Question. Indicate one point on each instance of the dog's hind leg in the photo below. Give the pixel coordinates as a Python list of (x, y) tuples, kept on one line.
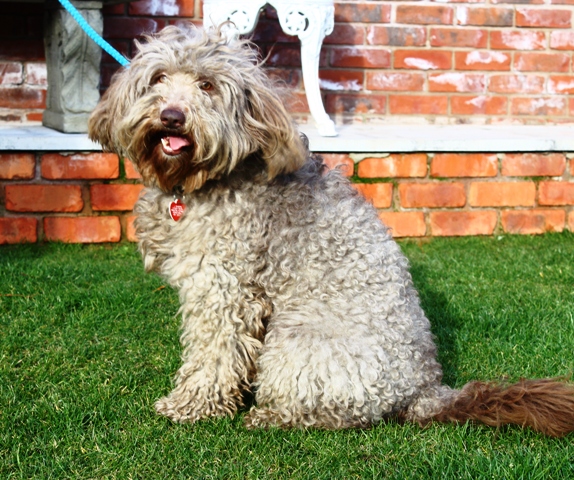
[(313, 372), (221, 332)]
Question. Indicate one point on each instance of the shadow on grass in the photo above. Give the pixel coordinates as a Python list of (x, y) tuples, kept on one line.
[(444, 324)]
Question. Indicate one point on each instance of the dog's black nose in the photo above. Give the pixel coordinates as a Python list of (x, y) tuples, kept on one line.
[(172, 118)]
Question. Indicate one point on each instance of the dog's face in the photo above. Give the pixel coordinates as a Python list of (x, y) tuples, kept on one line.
[(190, 107)]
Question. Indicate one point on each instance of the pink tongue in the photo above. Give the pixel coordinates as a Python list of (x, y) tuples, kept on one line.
[(177, 143)]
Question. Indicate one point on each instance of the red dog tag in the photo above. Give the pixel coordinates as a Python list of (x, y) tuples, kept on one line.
[(176, 209)]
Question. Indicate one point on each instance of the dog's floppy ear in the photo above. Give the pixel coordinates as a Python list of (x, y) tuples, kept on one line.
[(101, 122), (269, 124)]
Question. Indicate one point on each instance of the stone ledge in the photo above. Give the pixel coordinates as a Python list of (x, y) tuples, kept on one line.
[(42, 139), (353, 139), (444, 138)]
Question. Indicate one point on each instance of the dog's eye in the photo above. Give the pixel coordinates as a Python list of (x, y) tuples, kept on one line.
[(159, 78), (206, 86)]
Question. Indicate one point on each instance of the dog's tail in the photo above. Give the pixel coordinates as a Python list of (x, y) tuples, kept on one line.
[(546, 406)]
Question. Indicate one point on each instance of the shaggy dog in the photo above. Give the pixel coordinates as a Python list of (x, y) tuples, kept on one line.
[(290, 286)]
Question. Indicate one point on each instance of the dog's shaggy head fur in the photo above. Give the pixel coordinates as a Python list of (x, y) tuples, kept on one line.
[(190, 107)]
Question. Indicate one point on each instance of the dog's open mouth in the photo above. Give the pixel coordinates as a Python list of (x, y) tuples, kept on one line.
[(173, 145)]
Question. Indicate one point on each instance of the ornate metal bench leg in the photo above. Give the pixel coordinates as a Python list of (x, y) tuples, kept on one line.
[(311, 24), (310, 20)]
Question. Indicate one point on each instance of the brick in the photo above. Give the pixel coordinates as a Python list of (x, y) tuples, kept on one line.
[(542, 62), (360, 57), (456, 82), (485, 16), (130, 229), (396, 36), (571, 221), (44, 198), (517, 40), (379, 194), (423, 59), (481, 60), (542, 106), (395, 81), (285, 57), (271, 32), (424, 14), (355, 103), (11, 117), (464, 165), (17, 166), (561, 84), (114, 10), (34, 116), (10, 73), (562, 39), (345, 34), (22, 97), (287, 76), (36, 73), (572, 166), (82, 229), (297, 103), (453, 224), (478, 105), (433, 195), (362, 12), (131, 172), (23, 49), (458, 37), (528, 222), (556, 193), (177, 8), (530, 2), (80, 166), (130, 27), (342, 161), (516, 84), (395, 165), (502, 194), (18, 230), (114, 197), (533, 164), (338, 80), (546, 18), (404, 224), (418, 104)]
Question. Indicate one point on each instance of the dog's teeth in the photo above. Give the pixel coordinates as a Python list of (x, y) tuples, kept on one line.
[(165, 142)]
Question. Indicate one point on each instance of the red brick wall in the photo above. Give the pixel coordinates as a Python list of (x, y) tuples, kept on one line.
[(479, 61), (89, 197), (474, 61), (22, 63)]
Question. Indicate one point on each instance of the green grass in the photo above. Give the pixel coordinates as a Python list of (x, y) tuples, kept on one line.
[(88, 342)]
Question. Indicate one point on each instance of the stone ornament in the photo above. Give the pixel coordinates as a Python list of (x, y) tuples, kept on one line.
[(73, 66)]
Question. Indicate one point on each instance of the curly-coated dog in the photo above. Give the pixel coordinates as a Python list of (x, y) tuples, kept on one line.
[(290, 286)]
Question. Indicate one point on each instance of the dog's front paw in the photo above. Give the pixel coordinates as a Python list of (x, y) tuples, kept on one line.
[(177, 412), (185, 409)]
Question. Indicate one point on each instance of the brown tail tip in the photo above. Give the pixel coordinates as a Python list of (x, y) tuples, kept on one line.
[(546, 406)]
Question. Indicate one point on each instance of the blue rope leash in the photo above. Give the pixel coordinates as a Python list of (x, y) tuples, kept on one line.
[(124, 62)]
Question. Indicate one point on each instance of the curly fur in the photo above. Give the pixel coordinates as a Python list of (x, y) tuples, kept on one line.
[(290, 286)]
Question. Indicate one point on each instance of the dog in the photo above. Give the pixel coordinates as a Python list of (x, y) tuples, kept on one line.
[(291, 288)]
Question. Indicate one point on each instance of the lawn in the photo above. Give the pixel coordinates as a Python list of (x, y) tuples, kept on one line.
[(88, 341)]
